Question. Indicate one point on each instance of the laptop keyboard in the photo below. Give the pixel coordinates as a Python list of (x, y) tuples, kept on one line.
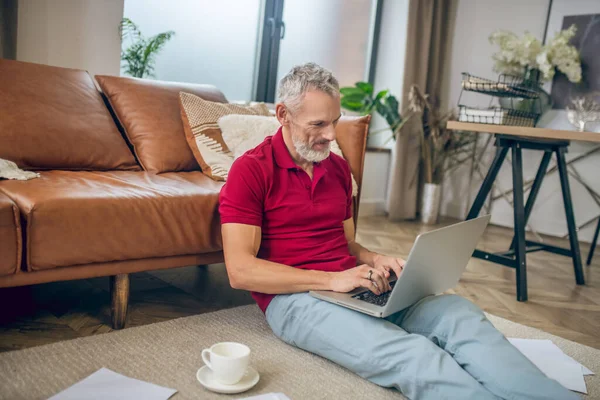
[(372, 298)]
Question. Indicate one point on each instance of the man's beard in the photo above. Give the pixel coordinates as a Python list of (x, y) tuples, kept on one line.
[(308, 153)]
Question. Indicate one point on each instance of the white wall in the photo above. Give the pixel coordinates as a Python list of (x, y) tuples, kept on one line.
[(214, 42), (388, 75), (389, 71), (374, 184), (476, 20), (79, 34)]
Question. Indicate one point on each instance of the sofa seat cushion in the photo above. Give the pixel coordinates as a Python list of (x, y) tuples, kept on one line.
[(55, 118), (10, 236), (76, 218)]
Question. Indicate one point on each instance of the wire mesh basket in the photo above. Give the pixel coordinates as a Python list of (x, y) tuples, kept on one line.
[(497, 116), (505, 86)]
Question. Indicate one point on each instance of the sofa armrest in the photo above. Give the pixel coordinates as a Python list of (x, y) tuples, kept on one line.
[(10, 236)]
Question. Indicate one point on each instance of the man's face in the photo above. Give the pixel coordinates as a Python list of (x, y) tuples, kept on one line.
[(312, 125)]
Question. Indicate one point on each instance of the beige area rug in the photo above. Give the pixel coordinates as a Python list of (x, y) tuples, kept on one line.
[(168, 354)]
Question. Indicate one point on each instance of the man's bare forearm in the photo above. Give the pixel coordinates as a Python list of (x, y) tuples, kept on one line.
[(258, 275), (363, 255)]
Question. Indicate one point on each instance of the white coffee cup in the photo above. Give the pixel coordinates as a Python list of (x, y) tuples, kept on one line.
[(228, 361)]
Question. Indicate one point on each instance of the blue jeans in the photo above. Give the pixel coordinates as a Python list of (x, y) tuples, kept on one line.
[(442, 347)]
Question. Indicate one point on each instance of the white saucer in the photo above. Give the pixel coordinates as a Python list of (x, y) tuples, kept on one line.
[(206, 377)]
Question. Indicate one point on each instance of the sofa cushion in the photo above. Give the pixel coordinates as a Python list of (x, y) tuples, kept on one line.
[(242, 133), (75, 218), (149, 113), (55, 118), (10, 236), (203, 134)]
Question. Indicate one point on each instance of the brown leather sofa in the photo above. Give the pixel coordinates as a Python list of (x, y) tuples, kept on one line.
[(120, 191)]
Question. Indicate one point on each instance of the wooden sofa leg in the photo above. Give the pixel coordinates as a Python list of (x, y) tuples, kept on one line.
[(119, 292)]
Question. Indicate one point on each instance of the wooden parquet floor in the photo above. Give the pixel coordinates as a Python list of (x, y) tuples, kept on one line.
[(52, 312), (556, 304)]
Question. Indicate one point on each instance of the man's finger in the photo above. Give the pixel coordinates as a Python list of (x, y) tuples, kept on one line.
[(387, 280), (397, 268), (372, 286), (385, 269), (381, 280)]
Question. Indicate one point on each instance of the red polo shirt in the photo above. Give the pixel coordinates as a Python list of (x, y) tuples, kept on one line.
[(301, 220)]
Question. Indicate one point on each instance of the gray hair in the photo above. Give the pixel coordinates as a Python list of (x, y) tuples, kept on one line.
[(303, 78)]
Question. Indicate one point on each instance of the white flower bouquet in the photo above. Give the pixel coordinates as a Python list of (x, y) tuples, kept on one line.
[(526, 56)]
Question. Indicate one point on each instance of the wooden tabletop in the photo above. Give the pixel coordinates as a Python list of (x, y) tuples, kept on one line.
[(541, 133)]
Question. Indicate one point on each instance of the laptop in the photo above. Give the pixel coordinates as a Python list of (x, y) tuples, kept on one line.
[(434, 265)]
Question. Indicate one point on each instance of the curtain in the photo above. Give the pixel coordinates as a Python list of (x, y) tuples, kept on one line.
[(8, 29), (429, 35)]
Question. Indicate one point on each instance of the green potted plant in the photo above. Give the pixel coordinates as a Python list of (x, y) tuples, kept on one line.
[(442, 150), (139, 58), (362, 99)]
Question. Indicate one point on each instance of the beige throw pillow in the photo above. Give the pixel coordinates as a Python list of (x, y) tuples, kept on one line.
[(10, 170), (244, 132), (203, 134)]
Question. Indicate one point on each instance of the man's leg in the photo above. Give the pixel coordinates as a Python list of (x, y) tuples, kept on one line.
[(373, 348), (460, 327)]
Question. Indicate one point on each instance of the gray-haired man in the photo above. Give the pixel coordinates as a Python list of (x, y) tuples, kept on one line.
[(287, 229)]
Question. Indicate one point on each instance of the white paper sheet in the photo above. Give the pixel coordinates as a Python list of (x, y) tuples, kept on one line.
[(105, 384), (551, 360), (545, 347), (268, 396)]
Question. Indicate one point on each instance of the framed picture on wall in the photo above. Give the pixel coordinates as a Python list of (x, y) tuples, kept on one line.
[(587, 41), (585, 15)]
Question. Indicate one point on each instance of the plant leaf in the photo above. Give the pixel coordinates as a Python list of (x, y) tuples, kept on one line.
[(393, 116), (388, 108), (139, 58), (356, 97), (352, 106), (366, 87), (393, 105), (369, 108), (381, 95), (348, 91), (128, 28)]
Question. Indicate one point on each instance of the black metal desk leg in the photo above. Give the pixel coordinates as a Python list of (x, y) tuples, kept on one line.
[(519, 211), (535, 188), (566, 191), (486, 186), (593, 245)]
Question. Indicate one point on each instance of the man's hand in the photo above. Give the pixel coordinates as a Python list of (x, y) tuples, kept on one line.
[(386, 263), (356, 277)]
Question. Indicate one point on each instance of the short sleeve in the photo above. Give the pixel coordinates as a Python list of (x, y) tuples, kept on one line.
[(241, 199), (348, 180)]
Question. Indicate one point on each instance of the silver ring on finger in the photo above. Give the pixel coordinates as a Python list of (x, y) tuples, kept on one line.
[(370, 275)]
